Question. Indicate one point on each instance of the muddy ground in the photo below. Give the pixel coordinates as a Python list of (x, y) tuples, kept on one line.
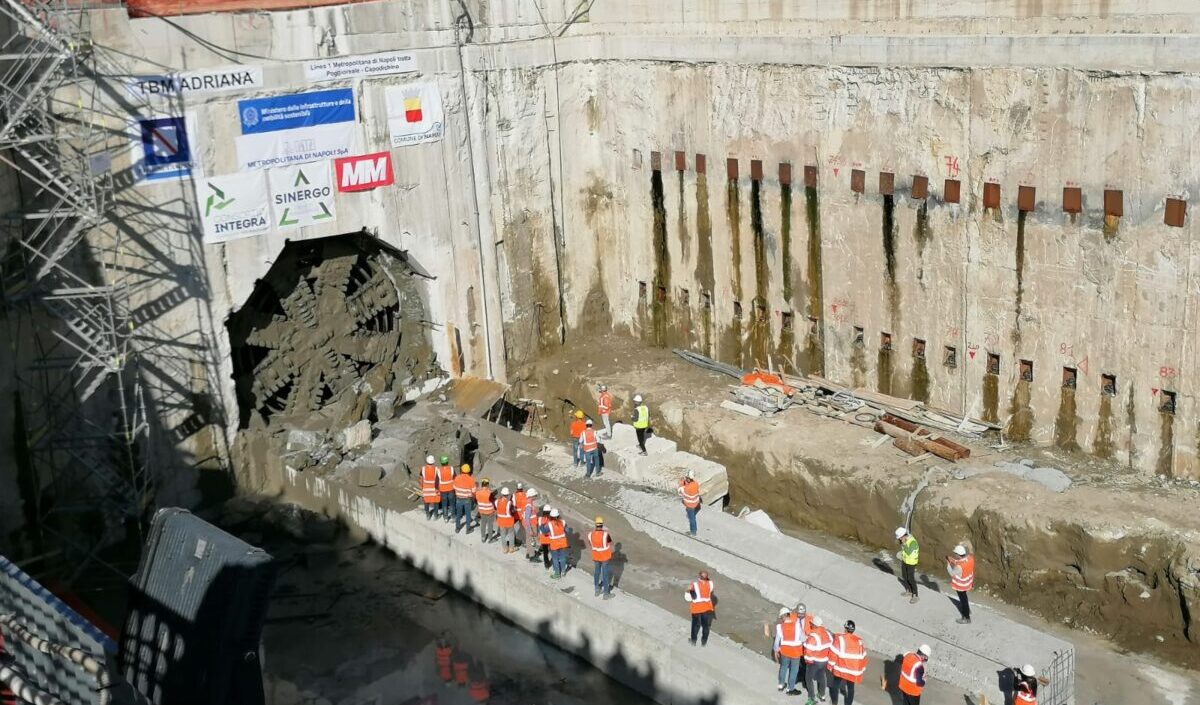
[(1116, 554)]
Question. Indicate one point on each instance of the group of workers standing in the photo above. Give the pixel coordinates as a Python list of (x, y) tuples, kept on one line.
[(512, 517)]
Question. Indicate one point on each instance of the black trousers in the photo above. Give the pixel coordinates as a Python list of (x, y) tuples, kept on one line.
[(701, 623), (838, 686), (544, 549), (641, 436), (964, 605), (910, 699), (908, 574)]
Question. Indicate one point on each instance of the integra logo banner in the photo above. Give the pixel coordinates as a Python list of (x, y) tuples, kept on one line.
[(233, 206), (301, 195), (226, 79)]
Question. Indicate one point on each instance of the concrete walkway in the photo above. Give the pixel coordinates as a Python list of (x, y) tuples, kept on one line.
[(640, 636)]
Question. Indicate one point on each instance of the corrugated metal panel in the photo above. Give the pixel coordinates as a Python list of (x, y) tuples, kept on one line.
[(40, 612), (195, 617)]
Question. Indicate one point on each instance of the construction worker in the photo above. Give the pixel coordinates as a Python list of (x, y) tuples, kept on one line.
[(506, 521), (464, 498), (604, 406), (806, 626), (1025, 684), (556, 531), (912, 675), (446, 488), (641, 421), (577, 427), (429, 488), (847, 664), (589, 446), (702, 598), (602, 552), (528, 519), (442, 653), (543, 535), (816, 660), (487, 511), (689, 492), (789, 649), (961, 567), (909, 554), (479, 688), (520, 499)]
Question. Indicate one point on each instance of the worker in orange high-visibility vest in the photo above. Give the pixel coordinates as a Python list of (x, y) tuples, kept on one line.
[(442, 653), (847, 664), (789, 649), (912, 675), (543, 536), (816, 659), (429, 488), (1025, 684), (445, 485), (961, 567), (464, 498), (506, 521), (577, 427), (604, 406), (602, 552), (702, 600), (689, 492), (486, 507), (461, 669), (589, 446), (556, 531), (479, 689)]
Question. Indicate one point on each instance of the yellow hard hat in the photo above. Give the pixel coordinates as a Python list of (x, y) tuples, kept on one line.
[(578, 414), (466, 469), (599, 520)]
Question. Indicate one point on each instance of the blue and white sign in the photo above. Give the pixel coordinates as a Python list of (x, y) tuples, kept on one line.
[(165, 150), (297, 128)]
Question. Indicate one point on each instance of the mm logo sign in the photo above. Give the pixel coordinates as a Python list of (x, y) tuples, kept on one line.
[(364, 172)]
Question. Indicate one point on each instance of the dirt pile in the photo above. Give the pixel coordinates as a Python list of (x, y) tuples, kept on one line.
[(1122, 562)]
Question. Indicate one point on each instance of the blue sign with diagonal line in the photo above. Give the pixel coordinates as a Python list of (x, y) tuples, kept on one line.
[(166, 153)]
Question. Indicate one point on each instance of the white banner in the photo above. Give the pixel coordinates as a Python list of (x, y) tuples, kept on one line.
[(224, 79), (303, 144), (415, 113), (301, 195), (233, 206), (338, 67)]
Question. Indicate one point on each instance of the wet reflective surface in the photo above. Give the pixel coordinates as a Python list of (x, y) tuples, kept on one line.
[(358, 626)]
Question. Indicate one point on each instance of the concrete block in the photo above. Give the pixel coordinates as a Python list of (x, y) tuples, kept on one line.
[(740, 408), (625, 437), (384, 405), (663, 471), (356, 436), (368, 475), (298, 439)]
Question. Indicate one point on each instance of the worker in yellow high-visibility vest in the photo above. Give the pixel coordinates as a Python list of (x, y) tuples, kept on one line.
[(641, 421), (909, 556)]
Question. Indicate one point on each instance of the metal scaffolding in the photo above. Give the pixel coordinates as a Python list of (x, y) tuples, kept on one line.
[(69, 307)]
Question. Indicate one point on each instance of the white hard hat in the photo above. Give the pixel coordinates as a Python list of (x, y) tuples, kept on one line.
[(801, 608), (588, 422), (553, 512), (1027, 670), (429, 459), (816, 621), (960, 550), (504, 491), (637, 397), (900, 532), (531, 493), (783, 611), (924, 650), (520, 485), (691, 474), (545, 507)]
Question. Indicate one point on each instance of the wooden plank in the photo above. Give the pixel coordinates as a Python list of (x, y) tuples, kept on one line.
[(959, 451), (886, 399)]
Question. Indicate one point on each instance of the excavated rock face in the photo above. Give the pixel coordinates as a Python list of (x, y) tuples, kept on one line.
[(335, 321)]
